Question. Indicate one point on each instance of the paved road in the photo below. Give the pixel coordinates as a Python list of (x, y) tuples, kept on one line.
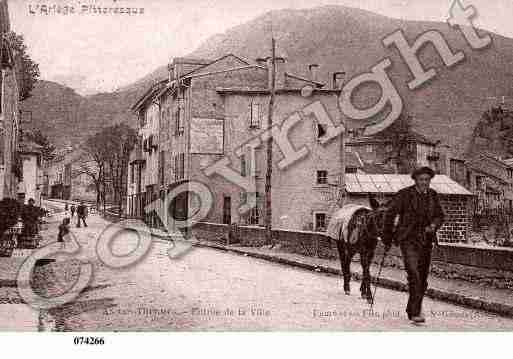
[(214, 290)]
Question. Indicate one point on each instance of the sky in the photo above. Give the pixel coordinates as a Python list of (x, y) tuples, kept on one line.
[(98, 53)]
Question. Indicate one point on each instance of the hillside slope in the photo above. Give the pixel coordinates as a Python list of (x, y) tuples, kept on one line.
[(338, 38), (68, 118)]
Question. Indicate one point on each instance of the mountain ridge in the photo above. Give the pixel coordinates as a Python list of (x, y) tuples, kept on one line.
[(348, 39)]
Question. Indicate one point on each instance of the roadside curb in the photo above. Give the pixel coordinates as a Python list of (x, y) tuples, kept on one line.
[(477, 303), (502, 309)]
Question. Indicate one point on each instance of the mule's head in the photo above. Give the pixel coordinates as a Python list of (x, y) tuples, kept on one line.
[(371, 223)]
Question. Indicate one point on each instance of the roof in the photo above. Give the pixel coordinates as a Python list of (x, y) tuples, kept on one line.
[(266, 91), (149, 94), (30, 147), (413, 136), (391, 183)]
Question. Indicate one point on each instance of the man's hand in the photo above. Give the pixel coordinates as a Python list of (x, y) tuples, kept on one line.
[(387, 243)]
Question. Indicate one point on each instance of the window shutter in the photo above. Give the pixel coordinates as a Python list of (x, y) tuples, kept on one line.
[(175, 167), (243, 165), (249, 120), (249, 161)]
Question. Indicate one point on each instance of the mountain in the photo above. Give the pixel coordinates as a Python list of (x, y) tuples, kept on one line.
[(68, 118), (340, 39)]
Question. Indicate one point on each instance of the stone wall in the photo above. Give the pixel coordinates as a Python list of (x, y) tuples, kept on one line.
[(457, 224), (488, 266)]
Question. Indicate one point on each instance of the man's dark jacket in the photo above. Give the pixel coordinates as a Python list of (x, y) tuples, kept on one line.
[(407, 205), (82, 211)]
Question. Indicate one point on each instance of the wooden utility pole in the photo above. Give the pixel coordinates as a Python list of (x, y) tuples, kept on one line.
[(268, 175)]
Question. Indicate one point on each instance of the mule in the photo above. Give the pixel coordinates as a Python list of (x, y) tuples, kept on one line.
[(367, 225)]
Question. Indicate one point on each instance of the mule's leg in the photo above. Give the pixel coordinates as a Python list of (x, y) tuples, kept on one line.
[(365, 288), (366, 264), (347, 272), (343, 265)]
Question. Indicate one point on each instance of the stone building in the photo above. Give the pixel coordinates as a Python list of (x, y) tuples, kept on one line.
[(491, 180), (212, 116), (378, 150), (31, 182), (456, 201), (10, 163), (64, 177)]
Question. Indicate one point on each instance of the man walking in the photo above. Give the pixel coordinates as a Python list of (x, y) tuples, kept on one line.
[(81, 214), (72, 210), (420, 216)]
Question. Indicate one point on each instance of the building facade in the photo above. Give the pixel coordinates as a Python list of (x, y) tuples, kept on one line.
[(10, 162), (212, 118), (491, 180), (64, 177), (31, 184), (379, 151)]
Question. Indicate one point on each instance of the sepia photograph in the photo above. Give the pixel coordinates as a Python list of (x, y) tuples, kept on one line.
[(272, 166)]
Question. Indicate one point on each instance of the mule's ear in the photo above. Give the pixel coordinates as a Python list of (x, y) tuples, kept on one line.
[(374, 204)]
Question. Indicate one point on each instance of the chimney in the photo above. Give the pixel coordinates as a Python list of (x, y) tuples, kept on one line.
[(280, 71), (338, 80), (312, 71)]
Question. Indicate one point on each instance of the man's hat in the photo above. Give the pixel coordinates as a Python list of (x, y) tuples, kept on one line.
[(423, 171)]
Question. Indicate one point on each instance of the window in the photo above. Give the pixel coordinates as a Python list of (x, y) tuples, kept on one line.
[(179, 166), (321, 131), (479, 182), (368, 148), (322, 177), (351, 169), (456, 169), (182, 165), (227, 209), (2, 146), (179, 129), (161, 167), (254, 213), (320, 222), (243, 166), (255, 114), (132, 173)]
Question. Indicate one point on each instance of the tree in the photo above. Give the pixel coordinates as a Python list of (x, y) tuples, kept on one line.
[(120, 140), (27, 71), (41, 139), (105, 160), (398, 135)]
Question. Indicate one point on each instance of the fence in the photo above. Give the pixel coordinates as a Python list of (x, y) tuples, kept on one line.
[(495, 224)]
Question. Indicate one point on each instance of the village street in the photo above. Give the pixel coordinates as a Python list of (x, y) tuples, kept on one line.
[(214, 290)]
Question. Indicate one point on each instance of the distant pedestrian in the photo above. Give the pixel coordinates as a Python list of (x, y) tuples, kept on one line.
[(66, 207), (30, 216), (420, 215), (81, 214), (63, 231), (72, 210)]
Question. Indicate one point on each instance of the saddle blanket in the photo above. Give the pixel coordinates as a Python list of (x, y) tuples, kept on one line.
[(339, 223)]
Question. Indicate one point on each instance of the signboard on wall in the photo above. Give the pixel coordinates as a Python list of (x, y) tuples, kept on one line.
[(207, 136)]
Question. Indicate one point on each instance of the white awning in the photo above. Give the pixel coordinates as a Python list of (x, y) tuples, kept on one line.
[(391, 183)]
